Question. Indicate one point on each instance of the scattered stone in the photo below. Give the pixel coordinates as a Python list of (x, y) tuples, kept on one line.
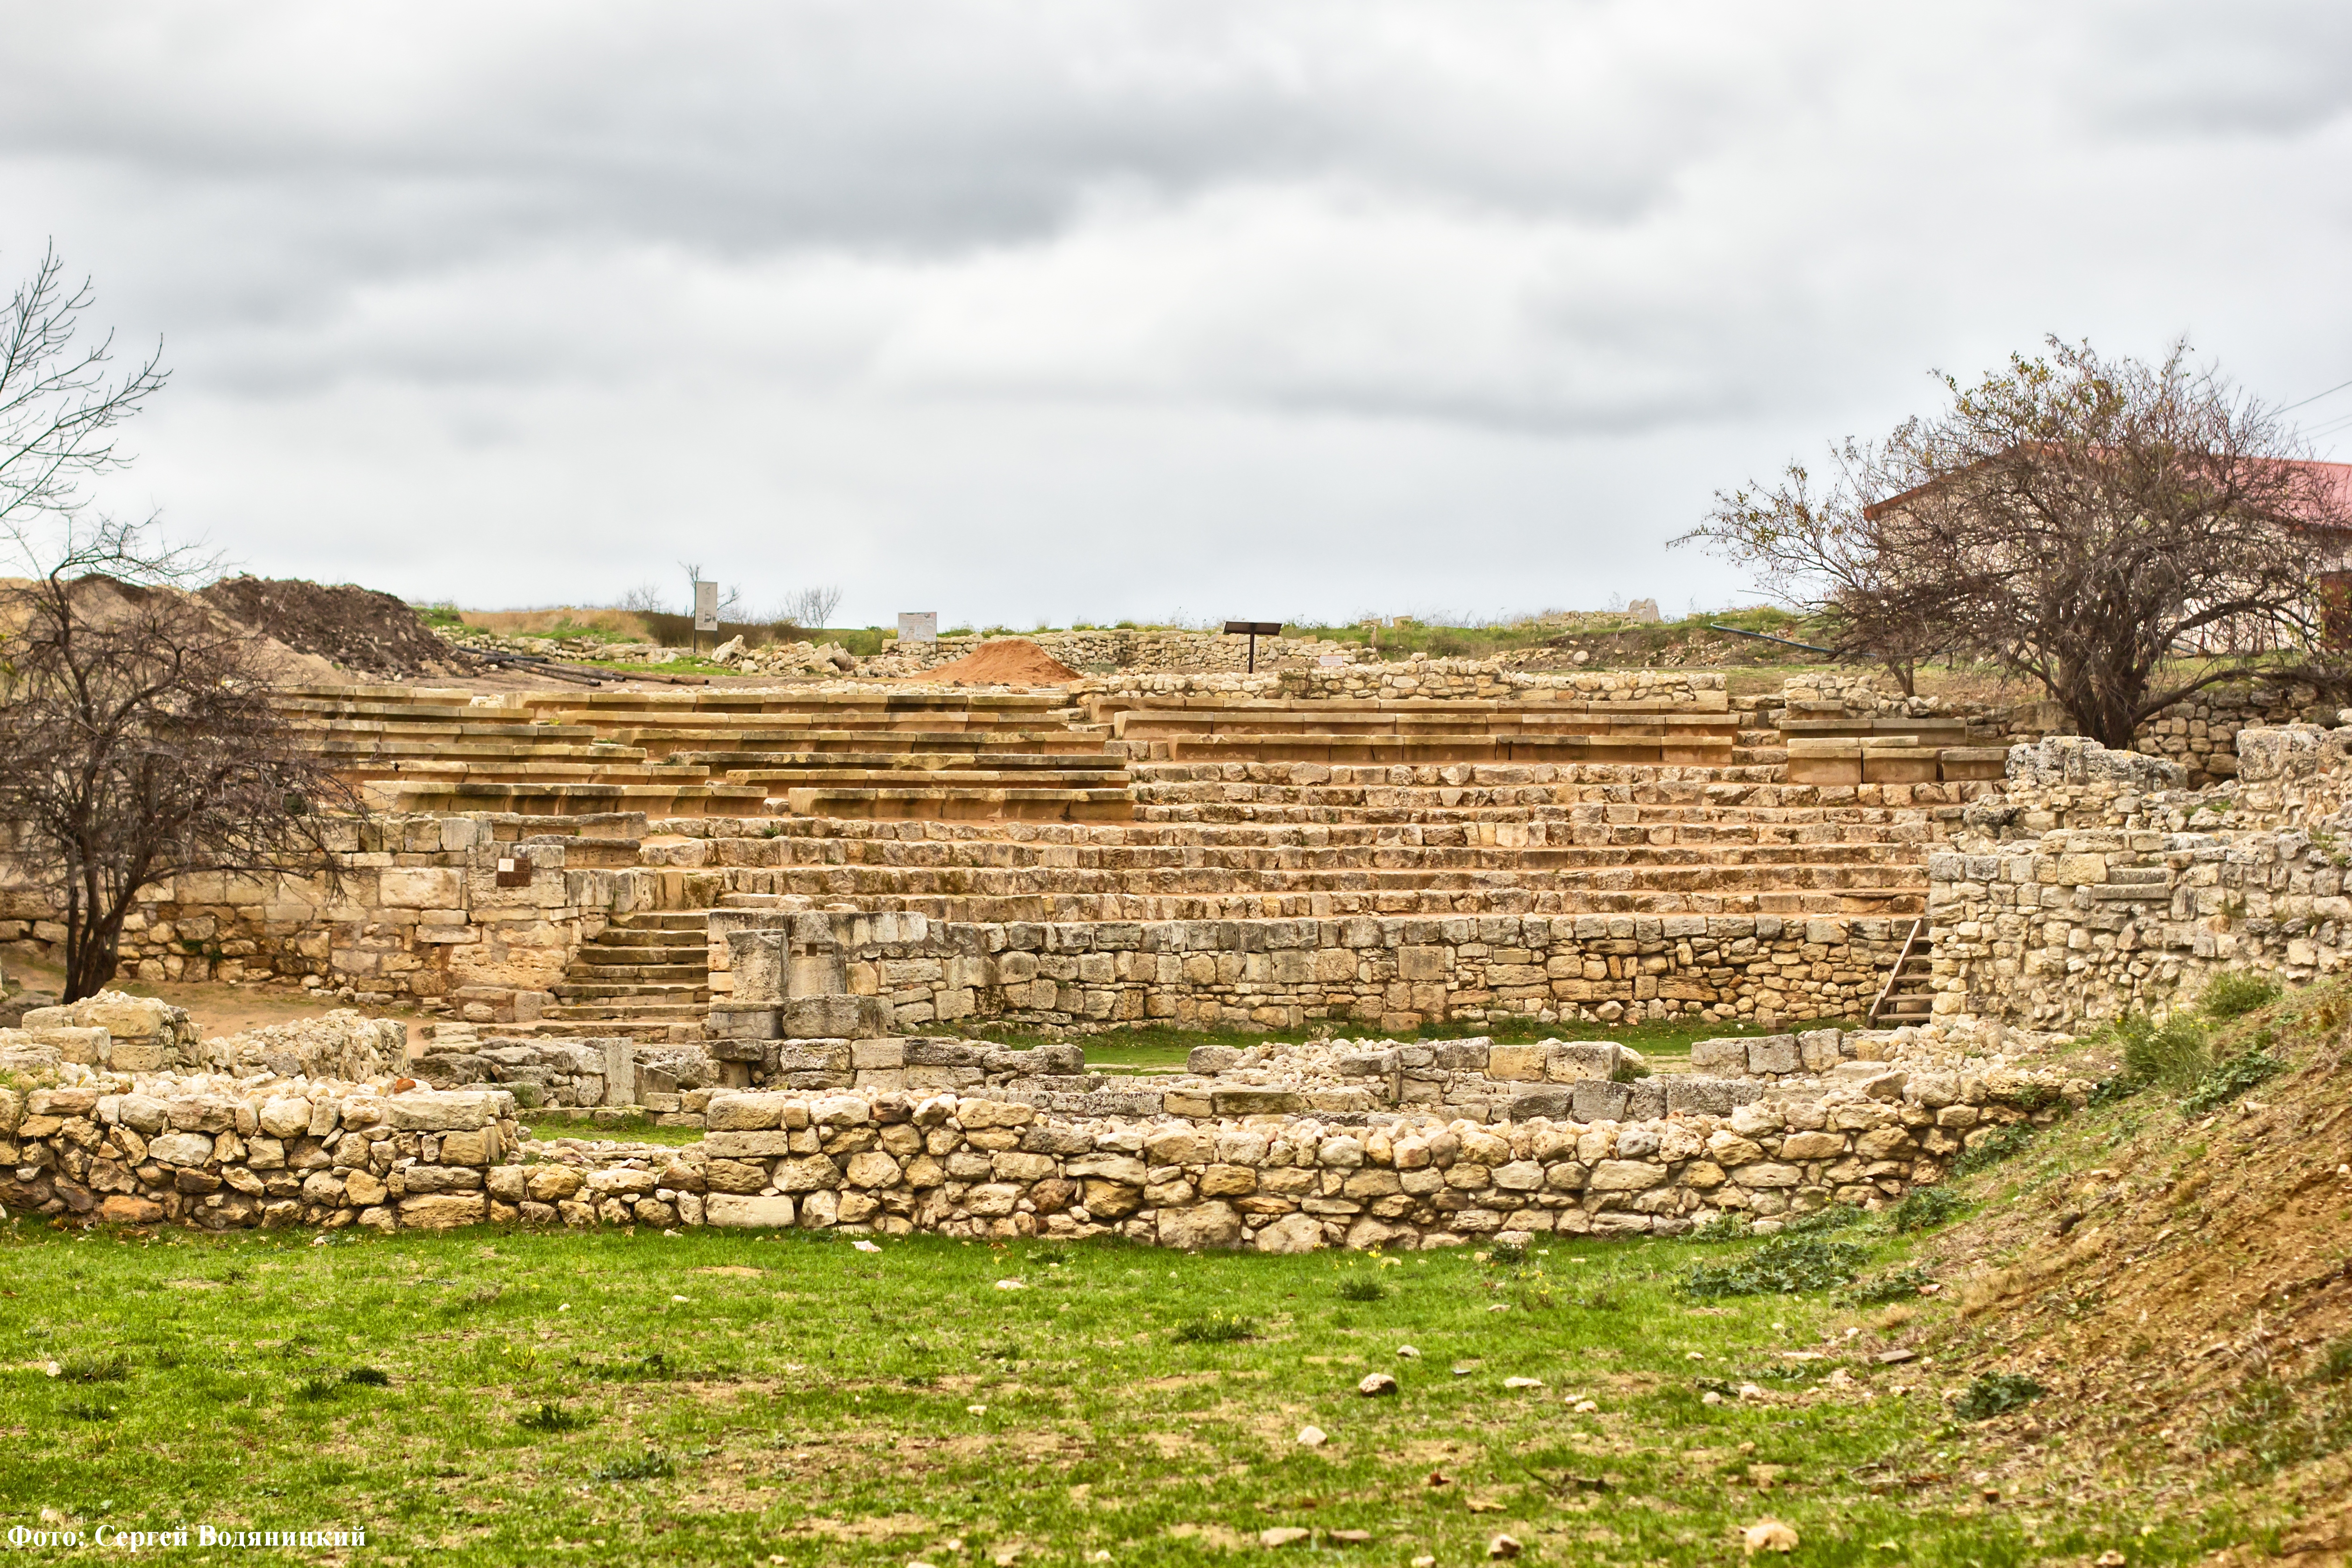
[(1011, 1285), (862, 1244), (1282, 1535), (1522, 1383), (1313, 1437), (1407, 1352), (1768, 1535), (2110, 1559), (1894, 1358), (1504, 1546), (1585, 1407), (1376, 1383), (1347, 1537)]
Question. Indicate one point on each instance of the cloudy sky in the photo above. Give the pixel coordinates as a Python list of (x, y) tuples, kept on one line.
[(1051, 309)]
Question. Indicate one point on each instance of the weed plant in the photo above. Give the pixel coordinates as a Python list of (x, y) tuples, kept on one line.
[(1781, 1265), (1926, 1208), (1997, 1394), (2235, 992)]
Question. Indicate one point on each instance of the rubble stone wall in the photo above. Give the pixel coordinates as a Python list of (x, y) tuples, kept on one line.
[(2097, 886), (1395, 973), (217, 1154), (419, 912)]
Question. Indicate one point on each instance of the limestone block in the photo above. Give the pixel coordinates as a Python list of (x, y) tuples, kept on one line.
[(1290, 1235), (1580, 1060), (1256, 1102), (187, 1149), (438, 1111), (1720, 1056), (1625, 1176), (444, 1211), (420, 887), (741, 1210), (835, 1017), (729, 1112), (1519, 1064), (1216, 1224), (1773, 1054)]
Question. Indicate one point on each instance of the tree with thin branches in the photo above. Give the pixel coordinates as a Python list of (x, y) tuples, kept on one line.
[(137, 740), (2080, 521)]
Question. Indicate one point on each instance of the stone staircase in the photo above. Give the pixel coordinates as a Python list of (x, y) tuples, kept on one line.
[(645, 975)]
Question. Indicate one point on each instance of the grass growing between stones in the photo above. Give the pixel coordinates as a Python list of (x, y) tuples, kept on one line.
[(1164, 1050), (734, 1397)]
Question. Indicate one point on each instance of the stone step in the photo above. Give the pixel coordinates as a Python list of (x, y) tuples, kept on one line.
[(949, 803), (962, 908), (586, 970), (1414, 751), (574, 993), (851, 779)]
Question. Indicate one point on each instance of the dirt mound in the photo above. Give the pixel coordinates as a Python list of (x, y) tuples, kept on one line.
[(2181, 1282), (1004, 661), (364, 631)]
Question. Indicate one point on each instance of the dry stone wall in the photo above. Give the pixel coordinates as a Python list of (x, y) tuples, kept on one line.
[(220, 1153), (2097, 885), (421, 914), (1395, 972)]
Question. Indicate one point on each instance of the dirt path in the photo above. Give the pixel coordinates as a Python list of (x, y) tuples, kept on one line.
[(218, 1009)]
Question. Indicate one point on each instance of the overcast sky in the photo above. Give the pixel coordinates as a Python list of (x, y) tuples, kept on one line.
[(1073, 308)]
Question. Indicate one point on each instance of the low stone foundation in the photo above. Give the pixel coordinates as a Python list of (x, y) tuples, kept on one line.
[(1392, 973)]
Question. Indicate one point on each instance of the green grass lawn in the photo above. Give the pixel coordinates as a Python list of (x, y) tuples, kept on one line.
[(491, 1397), (1164, 1050)]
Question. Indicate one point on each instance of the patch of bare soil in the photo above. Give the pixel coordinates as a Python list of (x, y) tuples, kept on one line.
[(215, 1009), (364, 631), (2185, 1297), (1002, 661)]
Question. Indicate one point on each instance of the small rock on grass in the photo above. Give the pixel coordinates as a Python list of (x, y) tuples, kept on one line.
[(1585, 1407), (1504, 1546), (1313, 1437), (1281, 1535), (1522, 1383), (1768, 1535), (1376, 1383), (1406, 1353), (1424, 1561)]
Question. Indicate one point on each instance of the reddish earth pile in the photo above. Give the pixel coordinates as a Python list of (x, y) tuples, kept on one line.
[(359, 629), (1004, 661)]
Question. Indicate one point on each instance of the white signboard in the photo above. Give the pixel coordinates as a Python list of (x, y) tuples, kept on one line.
[(705, 607), (918, 626)]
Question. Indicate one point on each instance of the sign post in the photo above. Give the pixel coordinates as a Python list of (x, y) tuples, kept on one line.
[(1253, 630), (706, 608), (918, 626)]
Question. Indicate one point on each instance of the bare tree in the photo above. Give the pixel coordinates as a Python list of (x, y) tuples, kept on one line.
[(137, 741), (644, 599), (1824, 552), (2079, 520), (812, 607)]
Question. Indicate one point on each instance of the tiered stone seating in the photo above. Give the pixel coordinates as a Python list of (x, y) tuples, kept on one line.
[(921, 755), (1412, 733), (1009, 808), (1656, 848), (1838, 749)]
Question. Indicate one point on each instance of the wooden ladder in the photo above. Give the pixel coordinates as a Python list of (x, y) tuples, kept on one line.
[(1895, 991)]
